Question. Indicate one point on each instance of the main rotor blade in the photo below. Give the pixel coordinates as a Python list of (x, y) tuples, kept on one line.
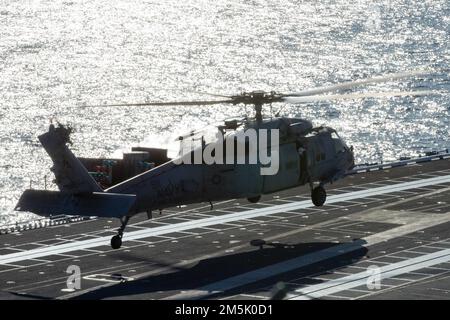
[(212, 94), (173, 103), (352, 84), (353, 96)]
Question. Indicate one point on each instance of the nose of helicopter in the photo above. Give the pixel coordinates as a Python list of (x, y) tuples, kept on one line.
[(351, 158)]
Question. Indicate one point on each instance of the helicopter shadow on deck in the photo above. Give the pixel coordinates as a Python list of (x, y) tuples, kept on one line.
[(218, 268)]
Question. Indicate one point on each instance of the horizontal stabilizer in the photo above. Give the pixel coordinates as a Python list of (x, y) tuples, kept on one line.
[(100, 204)]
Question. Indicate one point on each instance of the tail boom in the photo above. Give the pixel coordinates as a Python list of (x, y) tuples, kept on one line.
[(101, 204)]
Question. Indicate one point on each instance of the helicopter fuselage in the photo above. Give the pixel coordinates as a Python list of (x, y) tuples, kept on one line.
[(300, 155), (306, 155)]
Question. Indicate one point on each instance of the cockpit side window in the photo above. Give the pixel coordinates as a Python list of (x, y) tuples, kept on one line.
[(339, 145)]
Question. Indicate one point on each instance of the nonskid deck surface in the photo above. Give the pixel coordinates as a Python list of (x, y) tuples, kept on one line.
[(380, 235)]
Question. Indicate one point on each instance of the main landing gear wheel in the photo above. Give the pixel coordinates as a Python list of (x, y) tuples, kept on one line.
[(116, 241), (254, 199), (318, 196)]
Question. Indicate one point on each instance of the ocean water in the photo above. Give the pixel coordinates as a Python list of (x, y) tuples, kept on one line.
[(56, 56)]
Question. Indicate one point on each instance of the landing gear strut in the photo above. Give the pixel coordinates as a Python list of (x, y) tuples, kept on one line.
[(116, 241), (318, 196)]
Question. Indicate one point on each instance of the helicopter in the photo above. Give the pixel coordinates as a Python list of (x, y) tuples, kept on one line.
[(299, 154)]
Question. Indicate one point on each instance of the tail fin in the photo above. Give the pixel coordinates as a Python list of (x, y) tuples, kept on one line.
[(71, 176)]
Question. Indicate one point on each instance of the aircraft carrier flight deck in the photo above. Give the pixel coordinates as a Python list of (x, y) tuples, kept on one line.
[(391, 224)]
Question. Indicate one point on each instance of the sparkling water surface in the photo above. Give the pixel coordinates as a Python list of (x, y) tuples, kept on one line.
[(56, 56)]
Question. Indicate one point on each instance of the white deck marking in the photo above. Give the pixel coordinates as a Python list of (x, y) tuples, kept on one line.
[(315, 257), (360, 279), (183, 226), (269, 271)]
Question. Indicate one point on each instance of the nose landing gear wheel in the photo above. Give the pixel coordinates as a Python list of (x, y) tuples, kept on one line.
[(116, 242), (318, 196)]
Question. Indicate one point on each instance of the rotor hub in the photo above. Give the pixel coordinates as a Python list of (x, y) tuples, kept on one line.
[(257, 97)]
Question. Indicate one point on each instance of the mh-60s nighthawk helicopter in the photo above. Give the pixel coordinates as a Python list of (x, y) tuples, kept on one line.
[(147, 180)]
